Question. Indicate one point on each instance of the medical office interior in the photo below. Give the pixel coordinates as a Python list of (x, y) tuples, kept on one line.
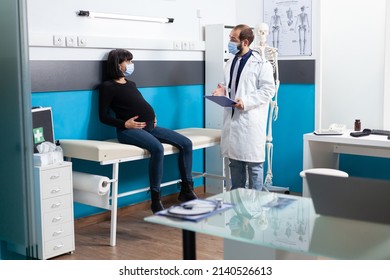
[(59, 59)]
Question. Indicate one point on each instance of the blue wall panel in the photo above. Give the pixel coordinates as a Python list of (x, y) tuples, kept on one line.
[(367, 167), (296, 117), (75, 116)]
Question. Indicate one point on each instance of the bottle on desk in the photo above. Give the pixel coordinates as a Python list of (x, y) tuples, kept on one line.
[(358, 125)]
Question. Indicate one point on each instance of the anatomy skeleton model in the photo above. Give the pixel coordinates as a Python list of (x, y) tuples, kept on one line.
[(276, 25), (303, 27), (290, 20), (270, 54)]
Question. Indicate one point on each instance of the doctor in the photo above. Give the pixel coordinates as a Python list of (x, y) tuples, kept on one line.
[(249, 81)]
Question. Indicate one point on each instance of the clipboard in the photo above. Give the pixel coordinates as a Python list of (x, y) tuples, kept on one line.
[(221, 100)]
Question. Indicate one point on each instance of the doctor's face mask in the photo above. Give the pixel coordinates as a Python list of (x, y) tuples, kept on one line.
[(233, 47)]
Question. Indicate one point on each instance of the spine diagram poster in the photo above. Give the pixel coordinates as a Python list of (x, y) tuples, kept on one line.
[(290, 26)]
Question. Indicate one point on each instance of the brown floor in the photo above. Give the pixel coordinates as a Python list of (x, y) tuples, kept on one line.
[(136, 239)]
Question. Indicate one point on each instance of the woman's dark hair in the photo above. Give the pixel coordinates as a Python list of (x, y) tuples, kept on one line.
[(116, 57)]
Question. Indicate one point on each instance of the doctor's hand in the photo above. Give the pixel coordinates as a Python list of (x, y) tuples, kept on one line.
[(219, 91), (131, 123), (240, 104)]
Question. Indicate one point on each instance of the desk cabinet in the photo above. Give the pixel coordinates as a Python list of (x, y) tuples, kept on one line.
[(323, 151), (54, 205)]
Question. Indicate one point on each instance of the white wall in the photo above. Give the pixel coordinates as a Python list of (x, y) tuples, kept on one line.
[(57, 16), (352, 62), (47, 18), (386, 103), (249, 12)]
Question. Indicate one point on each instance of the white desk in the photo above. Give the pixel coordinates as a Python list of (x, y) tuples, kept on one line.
[(323, 151)]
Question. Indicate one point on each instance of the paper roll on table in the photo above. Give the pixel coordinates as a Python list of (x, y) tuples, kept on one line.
[(91, 183), (91, 189)]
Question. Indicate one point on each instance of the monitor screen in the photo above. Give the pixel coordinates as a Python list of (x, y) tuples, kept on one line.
[(42, 126)]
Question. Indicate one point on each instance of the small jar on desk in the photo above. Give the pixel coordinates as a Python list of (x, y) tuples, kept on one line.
[(358, 125)]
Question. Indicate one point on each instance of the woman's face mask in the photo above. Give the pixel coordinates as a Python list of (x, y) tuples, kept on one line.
[(129, 69)]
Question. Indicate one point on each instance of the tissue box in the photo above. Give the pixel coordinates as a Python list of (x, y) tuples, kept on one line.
[(48, 158)]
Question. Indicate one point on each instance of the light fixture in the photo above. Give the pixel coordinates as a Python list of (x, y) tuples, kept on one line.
[(123, 17)]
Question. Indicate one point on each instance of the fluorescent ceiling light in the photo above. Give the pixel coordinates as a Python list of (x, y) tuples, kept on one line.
[(124, 17)]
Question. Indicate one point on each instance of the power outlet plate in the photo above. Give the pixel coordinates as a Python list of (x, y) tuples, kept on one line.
[(81, 41), (71, 41), (177, 45), (192, 45), (185, 45), (58, 40)]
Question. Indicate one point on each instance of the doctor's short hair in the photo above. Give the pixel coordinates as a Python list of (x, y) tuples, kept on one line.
[(245, 32), (116, 57)]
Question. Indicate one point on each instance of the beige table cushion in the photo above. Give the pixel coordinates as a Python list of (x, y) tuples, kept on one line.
[(111, 150)]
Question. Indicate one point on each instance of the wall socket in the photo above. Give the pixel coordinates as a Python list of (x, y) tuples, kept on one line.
[(192, 45), (185, 45), (177, 45), (71, 41), (81, 41), (58, 40)]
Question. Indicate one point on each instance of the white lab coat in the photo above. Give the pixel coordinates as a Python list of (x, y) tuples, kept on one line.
[(244, 135)]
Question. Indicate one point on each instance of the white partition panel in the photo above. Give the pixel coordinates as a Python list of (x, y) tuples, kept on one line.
[(353, 48)]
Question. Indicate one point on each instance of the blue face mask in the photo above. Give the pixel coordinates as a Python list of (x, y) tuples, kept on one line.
[(129, 69), (233, 48)]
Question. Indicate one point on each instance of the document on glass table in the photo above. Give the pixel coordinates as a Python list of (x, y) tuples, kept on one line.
[(195, 210), (279, 203)]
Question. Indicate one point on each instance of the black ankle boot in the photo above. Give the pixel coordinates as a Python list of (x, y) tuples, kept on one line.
[(187, 191), (156, 201)]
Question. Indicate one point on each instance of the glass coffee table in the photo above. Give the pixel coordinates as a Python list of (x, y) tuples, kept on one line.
[(283, 222)]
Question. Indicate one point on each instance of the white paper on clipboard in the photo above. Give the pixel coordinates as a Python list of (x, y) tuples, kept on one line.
[(221, 100)]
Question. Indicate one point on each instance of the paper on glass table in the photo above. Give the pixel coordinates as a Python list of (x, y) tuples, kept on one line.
[(195, 210), (279, 202)]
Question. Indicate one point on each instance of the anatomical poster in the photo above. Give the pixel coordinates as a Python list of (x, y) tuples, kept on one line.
[(290, 26)]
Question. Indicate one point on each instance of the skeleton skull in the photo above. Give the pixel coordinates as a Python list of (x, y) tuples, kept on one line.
[(262, 31)]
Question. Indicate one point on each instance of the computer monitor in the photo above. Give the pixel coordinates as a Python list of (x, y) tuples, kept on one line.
[(350, 197), (42, 126)]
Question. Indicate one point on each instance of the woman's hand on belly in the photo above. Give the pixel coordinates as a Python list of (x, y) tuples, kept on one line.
[(131, 123)]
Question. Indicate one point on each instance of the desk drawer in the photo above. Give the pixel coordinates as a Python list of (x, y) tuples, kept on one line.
[(59, 246), (58, 231), (56, 203), (57, 218), (55, 182)]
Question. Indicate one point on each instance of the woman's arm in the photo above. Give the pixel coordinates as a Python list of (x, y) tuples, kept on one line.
[(105, 116)]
